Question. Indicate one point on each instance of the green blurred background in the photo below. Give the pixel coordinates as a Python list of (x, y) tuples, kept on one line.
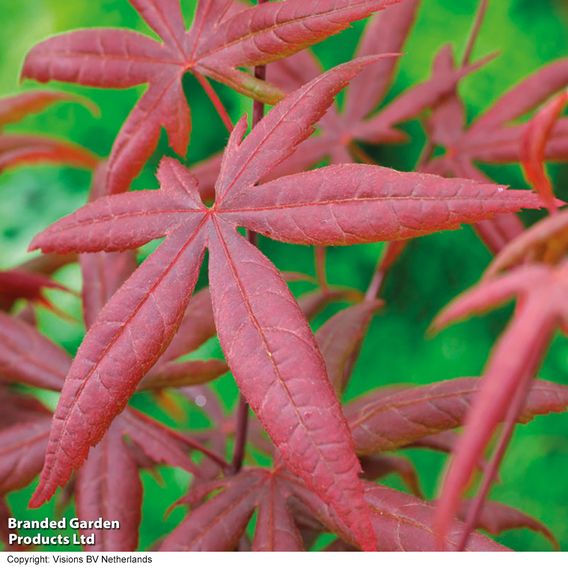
[(432, 271)]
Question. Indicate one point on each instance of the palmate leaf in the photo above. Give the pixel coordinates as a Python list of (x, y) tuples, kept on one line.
[(264, 335), (384, 36), (108, 483), (492, 137), (542, 292), (285, 506), (224, 38)]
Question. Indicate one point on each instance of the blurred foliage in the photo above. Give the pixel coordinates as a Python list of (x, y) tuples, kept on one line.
[(432, 271)]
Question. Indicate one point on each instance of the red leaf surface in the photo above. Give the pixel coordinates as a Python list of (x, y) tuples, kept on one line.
[(27, 149), (19, 284), (393, 419), (108, 486), (405, 524), (401, 522), (16, 107), (22, 451), (497, 518), (118, 351), (27, 356), (222, 40), (546, 241), (382, 204), (340, 338), (218, 525), (533, 147), (277, 348), (542, 292), (266, 343)]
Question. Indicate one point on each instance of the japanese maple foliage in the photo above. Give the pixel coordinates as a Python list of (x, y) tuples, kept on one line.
[(327, 456), (337, 205), (24, 149), (225, 36)]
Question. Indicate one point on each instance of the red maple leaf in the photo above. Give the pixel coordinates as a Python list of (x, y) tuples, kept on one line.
[(21, 149), (264, 335), (225, 36)]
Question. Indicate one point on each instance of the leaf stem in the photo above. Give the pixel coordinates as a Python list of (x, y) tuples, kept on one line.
[(474, 33), (491, 471), (428, 150), (532, 361), (240, 435), (243, 408), (320, 254), (360, 154), (425, 155), (217, 103), (392, 251)]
